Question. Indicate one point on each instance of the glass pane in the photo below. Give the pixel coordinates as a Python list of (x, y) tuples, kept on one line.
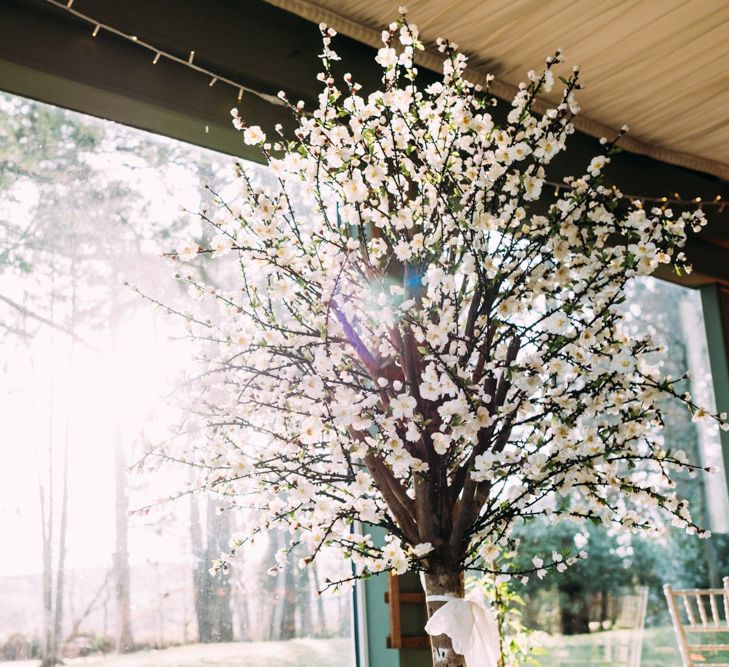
[(96, 558), (594, 612)]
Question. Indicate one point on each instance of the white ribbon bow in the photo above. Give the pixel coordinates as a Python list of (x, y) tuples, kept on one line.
[(471, 626)]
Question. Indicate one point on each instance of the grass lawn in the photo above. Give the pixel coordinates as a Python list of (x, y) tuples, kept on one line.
[(659, 649), (294, 653)]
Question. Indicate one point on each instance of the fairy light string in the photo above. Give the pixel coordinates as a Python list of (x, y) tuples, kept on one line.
[(718, 202), (676, 199), (189, 62)]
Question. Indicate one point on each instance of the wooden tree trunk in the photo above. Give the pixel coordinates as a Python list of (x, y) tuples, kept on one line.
[(443, 582), (122, 573), (212, 591), (48, 657), (289, 597), (306, 602), (244, 617), (321, 622), (218, 540), (201, 581), (270, 591), (61, 571), (574, 611)]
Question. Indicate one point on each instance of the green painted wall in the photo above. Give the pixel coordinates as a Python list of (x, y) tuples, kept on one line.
[(377, 614)]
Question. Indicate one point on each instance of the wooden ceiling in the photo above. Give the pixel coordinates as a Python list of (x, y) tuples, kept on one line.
[(661, 66)]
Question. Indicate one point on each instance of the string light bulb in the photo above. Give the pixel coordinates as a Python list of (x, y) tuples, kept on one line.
[(96, 30), (156, 58)]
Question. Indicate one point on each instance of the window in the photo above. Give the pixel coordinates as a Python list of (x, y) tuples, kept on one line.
[(92, 375), (592, 612)]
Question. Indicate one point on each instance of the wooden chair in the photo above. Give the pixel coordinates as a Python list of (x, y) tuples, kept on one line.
[(626, 643), (697, 614)]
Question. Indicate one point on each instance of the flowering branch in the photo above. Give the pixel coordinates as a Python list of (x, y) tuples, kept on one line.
[(425, 341)]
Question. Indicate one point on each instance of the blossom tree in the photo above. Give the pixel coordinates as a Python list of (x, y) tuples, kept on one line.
[(425, 338)]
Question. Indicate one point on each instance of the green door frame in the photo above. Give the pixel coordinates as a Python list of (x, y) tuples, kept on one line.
[(716, 309)]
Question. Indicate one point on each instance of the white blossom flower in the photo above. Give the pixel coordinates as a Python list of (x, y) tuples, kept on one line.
[(597, 164), (624, 362), (311, 429), (221, 245), (441, 443), (313, 386), (403, 251), (581, 539), (355, 190), (386, 57), (402, 406), (422, 549), (254, 135), (187, 250)]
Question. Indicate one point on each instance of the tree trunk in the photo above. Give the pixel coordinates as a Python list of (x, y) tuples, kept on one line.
[(200, 577), (221, 615), (604, 599), (241, 606), (574, 611), (270, 591), (61, 571), (443, 582), (321, 623), (212, 591), (124, 641), (306, 601), (48, 658), (289, 602)]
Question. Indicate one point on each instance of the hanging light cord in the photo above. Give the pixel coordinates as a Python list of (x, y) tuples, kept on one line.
[(161, 53)]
